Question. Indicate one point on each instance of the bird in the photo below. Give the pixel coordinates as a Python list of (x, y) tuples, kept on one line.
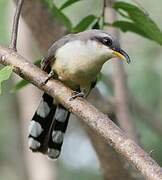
[(76, 60)]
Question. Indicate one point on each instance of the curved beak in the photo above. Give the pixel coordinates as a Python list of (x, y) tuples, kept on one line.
[(121, 54)]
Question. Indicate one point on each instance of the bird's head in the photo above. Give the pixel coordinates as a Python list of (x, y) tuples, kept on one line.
[(106, 43)]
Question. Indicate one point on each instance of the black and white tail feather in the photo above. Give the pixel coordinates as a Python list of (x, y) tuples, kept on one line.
[(47, 127), (49, 123)]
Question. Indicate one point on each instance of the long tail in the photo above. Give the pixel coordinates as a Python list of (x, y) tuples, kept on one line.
[(47, 127)]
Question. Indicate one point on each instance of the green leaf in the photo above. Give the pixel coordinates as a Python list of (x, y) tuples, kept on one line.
[(129, 26), (84, 23), (61, 16), (141, 23), (5, 74), (56, 12), (68, 3), (22, 83), (98, 23)]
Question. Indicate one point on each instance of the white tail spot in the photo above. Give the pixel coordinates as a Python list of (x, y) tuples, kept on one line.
[(33, 144), (43, 109), (57, 136), (53, 153), (35, 129)]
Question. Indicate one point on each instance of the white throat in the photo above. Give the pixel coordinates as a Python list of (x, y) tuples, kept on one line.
[(91, 51)]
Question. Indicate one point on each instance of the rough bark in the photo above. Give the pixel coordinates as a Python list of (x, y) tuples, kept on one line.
[(111, 164), (105, 153)]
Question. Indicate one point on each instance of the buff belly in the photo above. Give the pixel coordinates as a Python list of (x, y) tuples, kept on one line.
[(75, 74)]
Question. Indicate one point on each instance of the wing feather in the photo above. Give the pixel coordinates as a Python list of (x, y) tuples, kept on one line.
[(50, 56)]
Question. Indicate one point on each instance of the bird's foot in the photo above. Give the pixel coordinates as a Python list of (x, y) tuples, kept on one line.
[(77, 94), (50, 76)]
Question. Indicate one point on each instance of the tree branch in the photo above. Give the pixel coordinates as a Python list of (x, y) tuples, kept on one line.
[(13, 43), (99, 122), (105, 152)]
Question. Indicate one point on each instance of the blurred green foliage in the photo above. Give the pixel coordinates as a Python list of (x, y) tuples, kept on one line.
[(137, 21), (3, 19), (84, 18), (5, 74)]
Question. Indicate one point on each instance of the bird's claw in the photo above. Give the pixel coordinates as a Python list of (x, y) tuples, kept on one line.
[(76, 94), (45, 81), (50, 75)]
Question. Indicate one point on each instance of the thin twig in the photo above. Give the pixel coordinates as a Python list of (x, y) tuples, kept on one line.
[(13, 42), (98, 121)]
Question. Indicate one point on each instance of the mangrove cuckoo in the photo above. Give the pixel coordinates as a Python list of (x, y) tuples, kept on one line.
[(75, 60)]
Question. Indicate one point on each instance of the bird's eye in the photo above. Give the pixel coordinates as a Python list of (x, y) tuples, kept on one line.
[(107, 42)]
